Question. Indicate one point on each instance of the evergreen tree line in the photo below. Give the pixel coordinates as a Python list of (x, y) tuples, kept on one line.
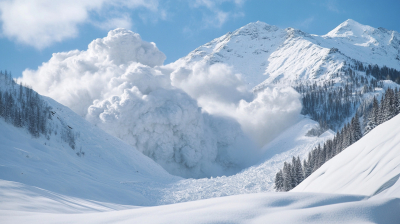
[(331, 105), (379, 113), (23, 107), (293, 173), (379, 73), (383, 73)]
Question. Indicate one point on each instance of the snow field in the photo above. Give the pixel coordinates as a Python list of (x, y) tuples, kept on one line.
[(368, 167), (44, 207), (255, 179)]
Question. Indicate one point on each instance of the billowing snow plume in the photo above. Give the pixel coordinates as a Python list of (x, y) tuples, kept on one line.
[(167, 125), (77, 78), (219, 90), (269, 114), (120, 85)]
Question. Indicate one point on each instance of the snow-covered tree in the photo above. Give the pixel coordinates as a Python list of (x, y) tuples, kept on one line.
[(355, 128), (279, 181)]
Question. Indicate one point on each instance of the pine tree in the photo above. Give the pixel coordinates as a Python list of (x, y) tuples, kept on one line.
[(287, 178), (293, 172), (390, 107), (306, 167), (279, 181), (356, 129), (381, 112), (373, 116), (322, 156), (299, 171), (396, 103)]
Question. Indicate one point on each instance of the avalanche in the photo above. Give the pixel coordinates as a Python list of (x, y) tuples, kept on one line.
[(194, 123)]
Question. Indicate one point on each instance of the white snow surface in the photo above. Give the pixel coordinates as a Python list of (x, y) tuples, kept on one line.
[(267, 54), (371, 166), (255, 179), (39, 206)]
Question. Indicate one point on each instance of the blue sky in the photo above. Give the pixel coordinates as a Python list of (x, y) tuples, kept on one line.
[(31, 30)]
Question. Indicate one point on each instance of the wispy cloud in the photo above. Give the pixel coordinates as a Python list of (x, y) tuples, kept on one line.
[(332, 6), (124, 21), (215, 16), (40, 23), (307, 22)]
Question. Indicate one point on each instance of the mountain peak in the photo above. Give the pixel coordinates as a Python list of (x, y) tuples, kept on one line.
[(256, 24), (255, 28), (352, 22), (350, 28)]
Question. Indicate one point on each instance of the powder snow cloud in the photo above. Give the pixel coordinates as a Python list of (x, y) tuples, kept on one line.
[(77, 78), (118, 85), (195, 121), (219, 90)]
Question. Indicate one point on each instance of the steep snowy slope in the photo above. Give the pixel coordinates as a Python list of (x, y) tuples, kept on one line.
[(368, 167), (110, 170), (365, 43), (263, 52), (247, 49)]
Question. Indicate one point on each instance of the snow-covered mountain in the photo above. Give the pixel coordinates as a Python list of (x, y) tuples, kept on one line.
[(44, 174), (369, 167), (268, 54)]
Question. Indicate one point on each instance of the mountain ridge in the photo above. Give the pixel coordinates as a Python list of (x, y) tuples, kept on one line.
[(272, 52)]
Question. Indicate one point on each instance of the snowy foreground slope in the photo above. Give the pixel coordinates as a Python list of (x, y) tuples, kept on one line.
[(370, 167), (41, 206)]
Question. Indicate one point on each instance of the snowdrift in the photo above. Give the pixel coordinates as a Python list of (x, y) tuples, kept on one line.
[(368, 167), (41, 206)]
